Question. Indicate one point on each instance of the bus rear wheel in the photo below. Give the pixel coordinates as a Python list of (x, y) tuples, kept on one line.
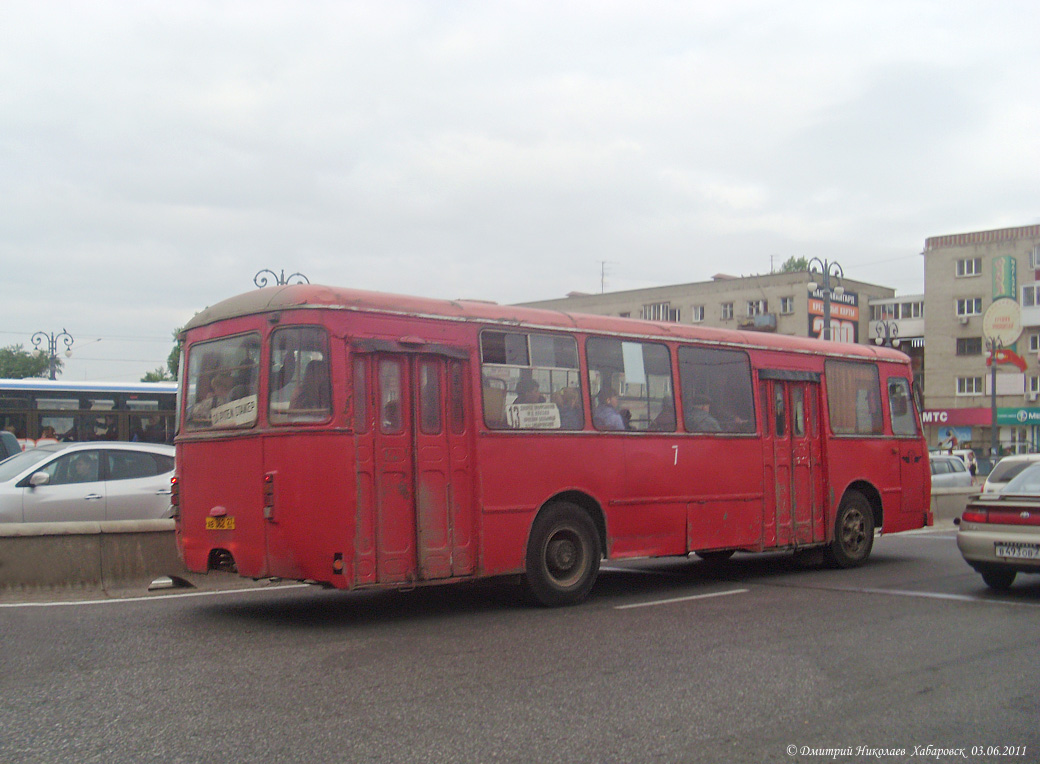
[(853, 532), (563, 555)]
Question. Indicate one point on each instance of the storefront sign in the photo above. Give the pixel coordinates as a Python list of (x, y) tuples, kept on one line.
[(957, 417), (1018, 417)]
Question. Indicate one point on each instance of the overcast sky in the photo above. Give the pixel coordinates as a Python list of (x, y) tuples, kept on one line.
[(154, 156)]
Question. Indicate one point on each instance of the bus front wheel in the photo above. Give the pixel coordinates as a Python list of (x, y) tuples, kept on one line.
[(853, 532), (563, 555)]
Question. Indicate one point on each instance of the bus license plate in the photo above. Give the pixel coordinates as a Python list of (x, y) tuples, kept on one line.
[(1018, 550), (220, 523)]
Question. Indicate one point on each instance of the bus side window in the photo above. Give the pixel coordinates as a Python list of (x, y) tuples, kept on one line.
[(854, 398), (631, 385), (721, 381), (530, 381)]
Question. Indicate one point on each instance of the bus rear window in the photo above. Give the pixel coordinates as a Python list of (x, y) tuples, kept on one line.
[(299, 376), (221, 390)]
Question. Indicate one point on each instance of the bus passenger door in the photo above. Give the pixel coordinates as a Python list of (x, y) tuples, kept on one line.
[(806, 454), (414, 474), (793, 452), (393, 517)]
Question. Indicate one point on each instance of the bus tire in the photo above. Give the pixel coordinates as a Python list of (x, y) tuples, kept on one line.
[(563, 555), (853, 532)]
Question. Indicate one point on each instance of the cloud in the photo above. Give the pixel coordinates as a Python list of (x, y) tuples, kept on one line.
[(157, 156)]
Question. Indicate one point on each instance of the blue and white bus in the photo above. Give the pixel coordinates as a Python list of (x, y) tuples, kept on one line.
[(40, 411)]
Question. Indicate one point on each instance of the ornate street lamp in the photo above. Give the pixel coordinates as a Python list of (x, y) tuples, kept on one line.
[(51, 339), (887, 334), (280, 279), (823, 271)]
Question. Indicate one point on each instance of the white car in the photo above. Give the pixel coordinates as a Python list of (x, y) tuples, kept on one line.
[(999, 533), (94, 481), (1005, 470)]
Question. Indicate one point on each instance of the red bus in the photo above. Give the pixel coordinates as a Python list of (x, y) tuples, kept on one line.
[(357, 439)]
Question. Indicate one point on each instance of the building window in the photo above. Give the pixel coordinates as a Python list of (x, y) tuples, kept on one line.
[(757, 307), (969, 306), (969, 267), (969, 346), (911, 310), (786, 306), (1034, 385), (697, 314), (883, 312), (660, 311), (1030, 295), (969, 386), (1034, 343), (727, 311)]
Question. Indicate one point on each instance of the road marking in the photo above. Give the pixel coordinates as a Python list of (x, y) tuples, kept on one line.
[(925, 595), (680, 599), (152, 598)]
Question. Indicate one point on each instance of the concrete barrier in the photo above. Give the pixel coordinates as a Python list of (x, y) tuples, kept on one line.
[(131, 554), (90, 555), (948, 503)]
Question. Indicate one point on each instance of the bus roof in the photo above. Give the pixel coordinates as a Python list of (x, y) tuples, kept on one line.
[(33, 384), (315, 296)]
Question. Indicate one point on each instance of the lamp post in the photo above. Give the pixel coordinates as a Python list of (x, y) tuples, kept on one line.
[(825, 270), (280, 279), (887, 334), (993, 344), (52, 347)]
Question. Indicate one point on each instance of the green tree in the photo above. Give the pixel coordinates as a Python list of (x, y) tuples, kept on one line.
[(17, 363), (173, 362), (795, 265), (159, 374)]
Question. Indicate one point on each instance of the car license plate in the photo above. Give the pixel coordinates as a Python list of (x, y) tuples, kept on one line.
[(1017, 549), (220, 523)]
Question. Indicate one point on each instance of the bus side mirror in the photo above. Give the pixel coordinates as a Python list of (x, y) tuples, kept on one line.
[(39, 478)]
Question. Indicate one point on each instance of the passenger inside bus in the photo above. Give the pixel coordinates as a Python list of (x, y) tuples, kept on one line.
[(606, 415), (699, 419), (665, 420), (568, 401), (527, 391)]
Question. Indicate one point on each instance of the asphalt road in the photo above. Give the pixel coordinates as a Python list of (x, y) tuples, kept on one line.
[(756, 660)]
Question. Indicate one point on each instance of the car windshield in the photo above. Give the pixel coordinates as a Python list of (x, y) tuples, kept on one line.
[(19, 463), (1027, 482)]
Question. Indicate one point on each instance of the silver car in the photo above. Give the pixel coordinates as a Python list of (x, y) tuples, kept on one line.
[(949, 472), (999, 533), (94, 481)]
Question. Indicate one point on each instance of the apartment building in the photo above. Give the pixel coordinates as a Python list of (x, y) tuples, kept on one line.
[(982, 293), (775, 302)]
